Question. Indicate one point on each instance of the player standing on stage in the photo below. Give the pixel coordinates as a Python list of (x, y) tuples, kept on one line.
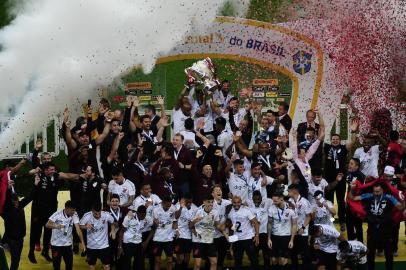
[(96, 223), (62, 223), (282, 228), (245, 226)]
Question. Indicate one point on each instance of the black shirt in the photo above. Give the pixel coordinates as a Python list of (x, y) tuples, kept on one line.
[(46, 195), (379, 209), (335, 161)]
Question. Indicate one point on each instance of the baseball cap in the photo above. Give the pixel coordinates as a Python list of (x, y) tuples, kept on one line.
[(389, 170)]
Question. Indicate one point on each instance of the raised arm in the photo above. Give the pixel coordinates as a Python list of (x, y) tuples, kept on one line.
[(70, 142), (215, 108), (354, 129), (242, 147), (180, 98), (115, 146), (162, 124), (161, 102), (227, 170), (19, 165), (322, 129), (106, 130)]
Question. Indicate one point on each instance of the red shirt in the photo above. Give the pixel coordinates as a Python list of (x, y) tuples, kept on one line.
[(395, 153)]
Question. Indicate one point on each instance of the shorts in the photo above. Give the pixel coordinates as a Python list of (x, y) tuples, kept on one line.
[(325, 258), (183, 246), (158, 247), (204, 250), (102, 254), (280, 246)]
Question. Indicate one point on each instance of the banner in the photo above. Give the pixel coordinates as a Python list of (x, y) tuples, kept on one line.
[(276, 47)]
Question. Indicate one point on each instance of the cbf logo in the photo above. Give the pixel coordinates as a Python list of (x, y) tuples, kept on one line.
[(302, 62)]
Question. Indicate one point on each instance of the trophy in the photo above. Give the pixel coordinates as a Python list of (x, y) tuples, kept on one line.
[(203, 73)]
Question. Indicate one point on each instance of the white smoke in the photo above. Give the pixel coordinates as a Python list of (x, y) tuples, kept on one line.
[(56, 53)]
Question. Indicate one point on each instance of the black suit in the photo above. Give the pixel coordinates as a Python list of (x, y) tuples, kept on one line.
[(286, 121), (301, 131)]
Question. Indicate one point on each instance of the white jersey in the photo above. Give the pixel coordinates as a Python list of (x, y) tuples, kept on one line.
[(241, 220), (206, 226), (328, 240), (322, 214), (133, 232), (302, 208), (220, 207), (369, 160), (189, 136), (220, 99), (356, 254), (164, 232), (98, 236), (238, 185), (142, 200), (282, 220), (178, 121), (313, 188), (184, 219), (224, 140), (256, 184), (208, 116), (125, 190), (261, 213), (237, 117), (63, 237)]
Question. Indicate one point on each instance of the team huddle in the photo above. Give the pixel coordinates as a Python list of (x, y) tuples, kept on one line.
[(220, 189)]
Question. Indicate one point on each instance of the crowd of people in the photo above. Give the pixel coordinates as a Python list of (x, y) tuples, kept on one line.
[(214, 188)]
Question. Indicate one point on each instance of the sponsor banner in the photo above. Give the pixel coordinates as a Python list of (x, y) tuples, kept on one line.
[(277, 47)]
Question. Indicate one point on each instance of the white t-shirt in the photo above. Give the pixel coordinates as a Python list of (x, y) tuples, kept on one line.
[(313, 188), (205, 228), (184, 219), (220, 207), (133, 232), (241, 220), (220, 99), (302, 208), (237, 117), (322, 214), (142, 200), (256, 184), (178, 121), (261, 213), (357, 253), (208, 117), (164, 231), (369, 160), (97, 237), (63, 237), (239, 185), (282, 220), (328, 240), (125, 190), (224, 140), (189, 136)]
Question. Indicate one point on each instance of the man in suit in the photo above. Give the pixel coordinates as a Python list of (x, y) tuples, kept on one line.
[(284, 117), (302, 127)]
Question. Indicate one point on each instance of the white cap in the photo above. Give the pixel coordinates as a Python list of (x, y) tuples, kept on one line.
[(389, 170)]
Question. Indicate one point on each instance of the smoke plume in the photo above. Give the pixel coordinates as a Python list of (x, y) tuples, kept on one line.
[(55, 53)]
